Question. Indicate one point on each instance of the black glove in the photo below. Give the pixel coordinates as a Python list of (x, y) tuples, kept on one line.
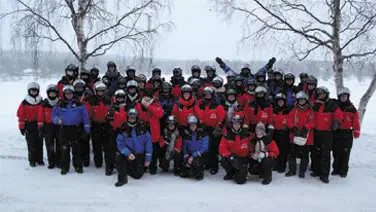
[(304, 132), (336, 125), (23, 131), (294, 130), (217, 132), (220, 62), (271, 62), (234, 161)]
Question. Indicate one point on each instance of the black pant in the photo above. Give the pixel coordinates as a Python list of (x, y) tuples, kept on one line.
[(341, 152), (301, 152), (34, 142), (195, 170), (100, 141), (51, 137), (263, 169), (211, 158), (84, 146), (239, 172), (126, 167), (164, 164), (112, 149), (323, 144), (155, 156), (282, 139), (70, 138)]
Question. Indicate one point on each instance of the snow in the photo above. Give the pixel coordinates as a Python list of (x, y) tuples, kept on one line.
[(38, 189)]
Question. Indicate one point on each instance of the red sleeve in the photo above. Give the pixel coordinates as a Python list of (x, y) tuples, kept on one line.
[(272, 149), (290, 118), (176, 91), (156, 110), (88, 108), (21, 116), (247, 112), (148, 85), (356, 125), (338, 115), (270, 115), (311, 123), (220, 115), (223, 148), (197, 112), (161, 141), (40, 115), (179, 144), (175, 112)]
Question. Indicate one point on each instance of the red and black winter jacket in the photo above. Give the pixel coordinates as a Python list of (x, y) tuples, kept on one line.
[(27, 113), (98, 108), (235, 143), (183, 108), (326, 113), (238, 111), (151, 116), (280, 117), (165, 139), (212, 114), (350, 118), (259, 112), (65, 80), (248, 98), (117, 115), (302, 117), (311, 94), (44, 113)]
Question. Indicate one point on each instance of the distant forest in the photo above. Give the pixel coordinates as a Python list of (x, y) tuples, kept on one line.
[(13, 64)]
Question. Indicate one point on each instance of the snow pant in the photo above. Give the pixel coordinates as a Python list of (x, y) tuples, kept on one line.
[(99, 141), (70, 139), (164, 163), (211, 158), (195, 170), (312, 157), (341, 150), (263, 168), (111, 151), (34, 142), (84, 146), (155, 157), (301, 152), (134, 168), (282, 139), (236, 168), (323, 144), (50, 132)]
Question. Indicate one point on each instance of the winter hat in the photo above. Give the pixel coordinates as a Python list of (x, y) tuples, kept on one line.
[(148, 92), (260, 126)]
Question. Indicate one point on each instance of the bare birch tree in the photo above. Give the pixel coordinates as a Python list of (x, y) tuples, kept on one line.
[(345, 29), (97, 25)]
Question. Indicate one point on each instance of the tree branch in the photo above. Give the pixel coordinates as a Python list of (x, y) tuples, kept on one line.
[(364, 54)]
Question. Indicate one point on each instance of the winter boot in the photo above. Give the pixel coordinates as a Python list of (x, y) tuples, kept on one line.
[(32, 164), (153, 171), (290, 173), (40, 163), (266, 181), (213, 171), (121, 181), (314, 174), (79, 170), (228, 176), (334, 173), (86, 163), (324, 179), (98, 165), (64, 172), (50, 166), (343, 175), (109, 171), (177, 172), (302, 175)]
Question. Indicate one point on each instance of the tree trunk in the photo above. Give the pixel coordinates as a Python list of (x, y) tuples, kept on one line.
[(78, 23), (365, 99), (337, 51)]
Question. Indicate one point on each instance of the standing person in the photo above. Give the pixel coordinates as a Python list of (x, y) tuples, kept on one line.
[(281, 133), (98, 108), (185, 106), (50, 130), (132, 94), (311, 88), (301, 121), (219, 89), (233, 107), (171, 145), (289, 89), (85, 75), (195, 144), (196, 74), (212, 115), (116, 116), (130, 73), (135, 147), (111, 76), (210, 73), (279, 82), (302, 86), (234, 149), (27, 114), (94, 75), (239, 87), (177, 81), (246, 73), (69, 114), (263, 152), (328, 118), (344, 137), (230, 76), (167, 101), (141, 82), (150, 112), (67, 79), (249, 95)]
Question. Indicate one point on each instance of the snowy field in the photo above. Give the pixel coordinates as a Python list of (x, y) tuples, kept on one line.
[(38, 189)]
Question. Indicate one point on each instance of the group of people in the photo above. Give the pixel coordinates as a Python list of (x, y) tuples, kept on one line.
[(253, 124)]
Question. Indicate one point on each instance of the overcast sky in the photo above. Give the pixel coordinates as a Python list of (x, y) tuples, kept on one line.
[(200, 33)]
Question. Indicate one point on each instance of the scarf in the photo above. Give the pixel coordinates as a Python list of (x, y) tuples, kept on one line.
[(52, 102), (231, 109), (33, 100), (145, 103), (259, 146), (132, 98), (172, 135)]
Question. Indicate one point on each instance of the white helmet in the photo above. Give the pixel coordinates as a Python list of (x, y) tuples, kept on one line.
[(99, 86), (119, 92), (192, 119), (302, 95), (68, 88), (132, 83), (33, 85), (260, 89), (343, 90), (79, 82)]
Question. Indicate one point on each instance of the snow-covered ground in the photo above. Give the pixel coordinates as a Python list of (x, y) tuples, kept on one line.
[(39, 189)]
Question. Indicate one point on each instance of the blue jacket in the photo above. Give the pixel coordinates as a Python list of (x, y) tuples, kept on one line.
[(195, 143), (138, 141), (72, 112)]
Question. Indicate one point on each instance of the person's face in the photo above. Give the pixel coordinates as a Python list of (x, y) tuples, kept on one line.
[(245, 71), (281, 102), (260, 95), (193, 127), (132, 119), (131, 73), (84, 77), (230, 79), (231, 98), (120, 98), (171, 126), (34, 92), (261, 78), (68, 95), (79, 88), (147, 98), (69, 73), (208, 96), (238, 83), (344, 97), (141, 84), (186, 95), (95, 73), (156, 84), (100, 93), (132, 90), (52, 94), (311, 86), (259, 133), (236, 126), (302, 101), (196, 73), (111, 69), (304, 79), (210, 73), (278, 77), (289, 82), (251, 87), (322, 96)]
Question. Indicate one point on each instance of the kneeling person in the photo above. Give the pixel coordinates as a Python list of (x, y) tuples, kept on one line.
[(234, 149), (135, 147)]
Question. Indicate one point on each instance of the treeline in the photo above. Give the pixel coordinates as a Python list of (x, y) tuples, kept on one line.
[(52, 64)]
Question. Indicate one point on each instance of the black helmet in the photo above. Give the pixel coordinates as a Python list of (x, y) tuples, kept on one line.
[(141, 78), (322, 89), (217, 81), (246, 67), (209, 68), (177, 72), (52, 88), (239, 78), (289, 76), (208, 90), (166, 87), (230, 92), (303, 75), (156, 78), (130, 69), (280, 96), (251, 81), (278, 71), (195, 68), (111, 64), (121, 81), (71, 67), (94, 71), (312, 80), (186, 88), (156, 71)]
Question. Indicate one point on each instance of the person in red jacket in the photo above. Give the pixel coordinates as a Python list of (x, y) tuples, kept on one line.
[(116, 115), (349, 130), (249, 95), (239, 87), (311, 88), (141, 81), (150, 111), (49, 130), (212, 115), (233, 107), (177, 81), (301, 122), (281, 134), (171, 144), (234, 149), (185, 106), (98, 108), (68, 79), (328, 118), (27, 114), (263, 153)]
